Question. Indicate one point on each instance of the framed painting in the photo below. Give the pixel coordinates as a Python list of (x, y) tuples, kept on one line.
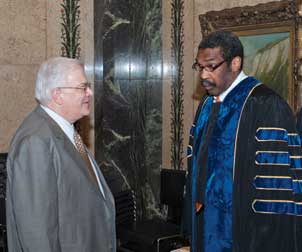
[(268, 55), (268, 33)]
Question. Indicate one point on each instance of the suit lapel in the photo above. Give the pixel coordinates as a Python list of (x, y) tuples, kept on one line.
[(68, 146), (103, 182)]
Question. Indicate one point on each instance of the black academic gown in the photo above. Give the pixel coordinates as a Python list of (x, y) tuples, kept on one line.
[(265, 210)]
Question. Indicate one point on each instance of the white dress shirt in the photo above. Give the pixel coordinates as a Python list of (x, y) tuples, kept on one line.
[(68, 129)]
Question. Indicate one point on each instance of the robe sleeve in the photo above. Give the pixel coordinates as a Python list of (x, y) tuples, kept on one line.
[(267, 186)]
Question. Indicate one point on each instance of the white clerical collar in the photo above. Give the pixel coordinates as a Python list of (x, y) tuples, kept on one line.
[(239, 78), (66, 126)]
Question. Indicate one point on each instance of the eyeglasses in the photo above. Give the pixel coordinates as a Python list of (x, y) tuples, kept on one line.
[(83, 86), (211, 68)]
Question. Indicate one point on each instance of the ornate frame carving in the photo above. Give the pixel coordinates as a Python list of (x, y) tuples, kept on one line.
[(269, 16)]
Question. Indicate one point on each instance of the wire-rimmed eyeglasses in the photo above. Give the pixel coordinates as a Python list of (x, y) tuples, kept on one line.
[(83, 86)]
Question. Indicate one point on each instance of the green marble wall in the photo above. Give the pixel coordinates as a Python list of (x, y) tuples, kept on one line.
[(128, 106)]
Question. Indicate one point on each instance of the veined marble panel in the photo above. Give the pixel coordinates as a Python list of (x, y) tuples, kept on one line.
[(129, 116)]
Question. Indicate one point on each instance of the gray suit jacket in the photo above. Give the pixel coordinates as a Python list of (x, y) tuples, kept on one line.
[(52, 204)]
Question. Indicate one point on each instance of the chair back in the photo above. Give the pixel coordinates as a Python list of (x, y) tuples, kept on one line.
[(3, 176), (172, 187), (125, 205), (172, 192)]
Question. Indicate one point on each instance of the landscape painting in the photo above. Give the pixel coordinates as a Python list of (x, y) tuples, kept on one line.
[(269, 33), (268, 57)]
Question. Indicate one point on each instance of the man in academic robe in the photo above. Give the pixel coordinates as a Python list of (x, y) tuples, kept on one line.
[(243, 191)]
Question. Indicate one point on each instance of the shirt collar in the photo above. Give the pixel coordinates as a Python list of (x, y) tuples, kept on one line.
[(239, 78), (66, 126)]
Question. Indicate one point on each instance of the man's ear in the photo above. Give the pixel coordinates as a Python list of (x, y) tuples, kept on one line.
[(57, 96), (236, 64)]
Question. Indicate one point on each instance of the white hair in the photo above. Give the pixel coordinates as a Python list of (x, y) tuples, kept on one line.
[(53, 73)]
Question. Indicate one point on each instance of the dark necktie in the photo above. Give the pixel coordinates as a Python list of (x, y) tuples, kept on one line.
[(202, 160), (81, 148)]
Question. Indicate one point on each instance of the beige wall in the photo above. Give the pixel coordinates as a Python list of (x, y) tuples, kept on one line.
[(30, 33), (192, 37)]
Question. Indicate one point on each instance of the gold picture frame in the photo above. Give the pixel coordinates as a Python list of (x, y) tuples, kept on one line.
[(273, 24)]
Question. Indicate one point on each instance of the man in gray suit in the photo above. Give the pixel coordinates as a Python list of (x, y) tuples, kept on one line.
[(57, 198)]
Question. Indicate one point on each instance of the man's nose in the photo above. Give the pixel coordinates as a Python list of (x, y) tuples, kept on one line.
[(89, 91), (203, 74)]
